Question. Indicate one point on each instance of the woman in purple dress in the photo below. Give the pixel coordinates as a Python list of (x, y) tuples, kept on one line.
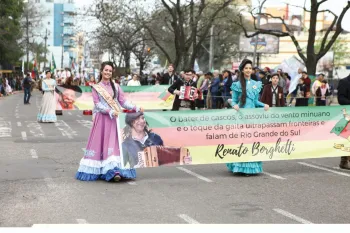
[(102, 155)]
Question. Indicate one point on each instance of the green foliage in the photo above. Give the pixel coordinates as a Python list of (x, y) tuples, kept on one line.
[(38, 50), (10, 30), (340, 49)]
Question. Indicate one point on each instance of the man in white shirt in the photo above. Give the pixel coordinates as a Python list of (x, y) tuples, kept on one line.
[(134, 81)]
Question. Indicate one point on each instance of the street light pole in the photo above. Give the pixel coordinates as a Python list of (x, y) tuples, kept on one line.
[(62, 13), (27, 34), (45, 48), (257, 36), (211, 53)]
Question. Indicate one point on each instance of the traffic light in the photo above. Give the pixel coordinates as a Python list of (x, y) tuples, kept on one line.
[(148, 50)]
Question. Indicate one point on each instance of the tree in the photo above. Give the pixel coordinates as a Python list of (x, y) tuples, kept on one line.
[(142, 53), (31, 23), (38, 50), (185, 22), (120, 26), (339, 48), (311, 57), (10, 31)]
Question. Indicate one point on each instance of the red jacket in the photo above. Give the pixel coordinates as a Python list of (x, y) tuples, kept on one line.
[(266, 96)]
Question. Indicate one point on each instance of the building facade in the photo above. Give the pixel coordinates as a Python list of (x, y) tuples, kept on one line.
[(58, 25)]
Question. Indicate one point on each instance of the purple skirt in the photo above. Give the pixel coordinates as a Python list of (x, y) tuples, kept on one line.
[(102, 155)]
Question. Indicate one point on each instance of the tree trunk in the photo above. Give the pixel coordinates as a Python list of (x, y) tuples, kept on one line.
[(311, 65), (142, 65), (127, 56)]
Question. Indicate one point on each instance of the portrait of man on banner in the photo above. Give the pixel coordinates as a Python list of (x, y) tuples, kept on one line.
[(143, 148), (67, 96)]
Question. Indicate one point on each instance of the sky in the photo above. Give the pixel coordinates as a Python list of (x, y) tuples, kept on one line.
[(334, 5)]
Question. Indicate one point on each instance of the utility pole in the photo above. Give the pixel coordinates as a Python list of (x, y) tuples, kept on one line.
[(211, 53), (257, 36), (45, 48), (27, 34), (62, 13)]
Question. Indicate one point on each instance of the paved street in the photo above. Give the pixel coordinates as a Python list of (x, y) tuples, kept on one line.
[(37, 185)]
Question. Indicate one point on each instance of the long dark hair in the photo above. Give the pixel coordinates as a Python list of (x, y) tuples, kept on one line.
[(108, 63), (244, 88)]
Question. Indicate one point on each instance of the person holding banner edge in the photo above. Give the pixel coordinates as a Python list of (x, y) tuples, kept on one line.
[(245, 94), (102, 157)]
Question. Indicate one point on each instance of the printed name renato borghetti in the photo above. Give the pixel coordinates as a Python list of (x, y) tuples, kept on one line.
[(257, 148)]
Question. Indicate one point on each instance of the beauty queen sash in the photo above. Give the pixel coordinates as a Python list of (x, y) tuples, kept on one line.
[(107, 97)]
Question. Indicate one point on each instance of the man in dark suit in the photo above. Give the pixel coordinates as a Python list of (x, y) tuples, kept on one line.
[(344, 99), (170, 77), (175, 90)]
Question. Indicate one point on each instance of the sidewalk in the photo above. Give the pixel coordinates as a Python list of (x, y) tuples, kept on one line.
[(13, 93)]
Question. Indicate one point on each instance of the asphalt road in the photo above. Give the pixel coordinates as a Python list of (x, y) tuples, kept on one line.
[(37, 185)]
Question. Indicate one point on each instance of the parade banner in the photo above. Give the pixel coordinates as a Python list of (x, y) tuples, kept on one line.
[(207, 137), (80, 97)]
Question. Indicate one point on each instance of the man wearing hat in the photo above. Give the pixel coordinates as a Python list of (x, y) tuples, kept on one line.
[(67, 96)]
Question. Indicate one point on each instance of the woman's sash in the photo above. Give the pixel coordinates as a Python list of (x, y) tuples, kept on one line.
[(107, 97)]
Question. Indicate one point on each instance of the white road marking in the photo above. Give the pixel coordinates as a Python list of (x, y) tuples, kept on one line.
[(24, 135), (5, 129), (17, 117), (48, 180), (35, 129), (19, 124), (132, 183), (82, 221), (65, 129), (85, 123), (195, 174), (78, 116), (188, 219), (325, 169), (292, 216), (33, 154), (274, 176), (69, 113)]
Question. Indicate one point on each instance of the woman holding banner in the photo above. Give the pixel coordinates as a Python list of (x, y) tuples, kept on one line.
[(47, 112), (102, 155), (245, 94)]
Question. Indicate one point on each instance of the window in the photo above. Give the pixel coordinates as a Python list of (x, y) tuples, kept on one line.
[(70, 1), (49, 0), (37, 1)]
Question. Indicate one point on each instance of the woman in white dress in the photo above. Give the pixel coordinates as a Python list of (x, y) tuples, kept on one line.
[(8, 87), (48, 104)]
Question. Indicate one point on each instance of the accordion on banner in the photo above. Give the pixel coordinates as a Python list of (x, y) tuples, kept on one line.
[(188, 92), (155, 156)]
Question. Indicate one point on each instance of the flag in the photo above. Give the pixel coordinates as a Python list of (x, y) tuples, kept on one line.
[(34, 70), (82, 65), (196, 66), (166, 96), (73, 66), (53, 64)]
